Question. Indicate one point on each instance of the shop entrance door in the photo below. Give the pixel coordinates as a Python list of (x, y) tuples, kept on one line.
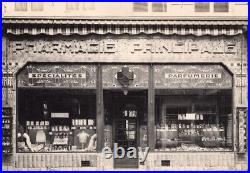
[(128, 113), (126, 125), (126, 134)]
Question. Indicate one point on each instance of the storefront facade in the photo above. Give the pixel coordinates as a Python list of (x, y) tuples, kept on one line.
[(76, 87)]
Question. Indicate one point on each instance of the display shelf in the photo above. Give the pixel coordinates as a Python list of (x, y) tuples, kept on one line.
[(165, 130), (188, 120), (186, 128), (60, 133), (83, 127)]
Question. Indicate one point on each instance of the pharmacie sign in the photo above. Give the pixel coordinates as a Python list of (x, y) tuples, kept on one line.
[(71, 75), (192, 76), (133, 46)]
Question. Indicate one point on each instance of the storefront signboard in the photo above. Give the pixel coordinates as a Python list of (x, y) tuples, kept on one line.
[(127, 49), (66, 76), (192, 76)]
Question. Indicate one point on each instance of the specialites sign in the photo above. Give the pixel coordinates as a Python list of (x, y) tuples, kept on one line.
[(72, 76), (192, 76)]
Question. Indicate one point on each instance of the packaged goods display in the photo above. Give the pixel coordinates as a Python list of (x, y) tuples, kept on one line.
[(178, 132), (54, 136), (37, 125), (6, 132)]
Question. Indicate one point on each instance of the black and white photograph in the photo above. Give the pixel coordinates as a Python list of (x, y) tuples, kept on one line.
[(124, 86)]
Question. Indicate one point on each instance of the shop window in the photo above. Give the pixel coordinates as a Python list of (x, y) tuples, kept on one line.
[(36, 6), (56, 121), (202, 6), (221, 7), (71, 6), (190, 120), (159, 7), (140, 6), (20, 6)]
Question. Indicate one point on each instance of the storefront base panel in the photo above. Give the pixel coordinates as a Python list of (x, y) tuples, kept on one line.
[(54, 161), (154, 161), (193, 161)]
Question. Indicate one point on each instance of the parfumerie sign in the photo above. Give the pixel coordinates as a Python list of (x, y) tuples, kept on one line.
[(188, 76), (192, 75)]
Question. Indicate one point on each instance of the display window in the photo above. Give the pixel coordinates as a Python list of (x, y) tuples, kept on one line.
[(193, 120), (56, 120)]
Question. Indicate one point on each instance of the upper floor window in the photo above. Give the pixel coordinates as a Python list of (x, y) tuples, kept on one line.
[(140, 6), (36, 6), (202, 6), (20, 6), (159, 7), (72, 5), (221, 7), (88, 6)]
